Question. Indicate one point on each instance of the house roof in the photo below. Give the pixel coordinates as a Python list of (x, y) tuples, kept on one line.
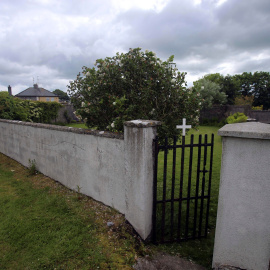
[(36, 92)]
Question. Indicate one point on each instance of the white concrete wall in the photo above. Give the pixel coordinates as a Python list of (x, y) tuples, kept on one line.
[(106, 167), (242, 236)]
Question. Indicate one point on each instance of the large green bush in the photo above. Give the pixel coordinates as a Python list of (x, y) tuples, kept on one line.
[(134, 85), (25, 110)]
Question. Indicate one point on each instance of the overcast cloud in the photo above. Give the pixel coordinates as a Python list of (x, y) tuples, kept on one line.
[(51, 40)]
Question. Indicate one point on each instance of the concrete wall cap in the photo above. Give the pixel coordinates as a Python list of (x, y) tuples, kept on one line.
[(142, 123), (98, 133), (252, 130)]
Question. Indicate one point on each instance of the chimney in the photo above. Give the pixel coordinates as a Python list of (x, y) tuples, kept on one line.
[(35, 86), (9, 90)]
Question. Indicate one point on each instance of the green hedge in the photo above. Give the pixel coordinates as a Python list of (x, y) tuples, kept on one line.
[(25, 110)]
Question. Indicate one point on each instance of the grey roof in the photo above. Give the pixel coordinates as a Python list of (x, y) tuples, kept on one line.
[(36, 92)]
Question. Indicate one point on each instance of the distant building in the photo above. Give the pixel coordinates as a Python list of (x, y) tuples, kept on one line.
[(38, 94)]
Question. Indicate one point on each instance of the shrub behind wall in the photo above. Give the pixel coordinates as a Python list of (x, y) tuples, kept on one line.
[(12, 108), (236, 118)]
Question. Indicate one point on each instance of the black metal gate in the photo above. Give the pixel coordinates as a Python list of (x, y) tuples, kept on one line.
[(182, 185)]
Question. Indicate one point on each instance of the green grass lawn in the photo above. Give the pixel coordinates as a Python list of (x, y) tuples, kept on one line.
[(44, 225)]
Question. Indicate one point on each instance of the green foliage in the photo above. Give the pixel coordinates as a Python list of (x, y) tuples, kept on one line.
[(247, 84), (210, 92), (261, 89), (12, 108), (230, 86), (49, 111), (25, 110), (135, 85), (4, 94), (256, 85), (63, 96), (215, 77), (244, 100), (236, 118), (257, 108)]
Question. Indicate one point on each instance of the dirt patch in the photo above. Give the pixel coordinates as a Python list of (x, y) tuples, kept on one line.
[(163, 261)]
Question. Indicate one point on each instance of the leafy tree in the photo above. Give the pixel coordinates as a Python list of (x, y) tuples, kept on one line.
[(135, 85), (244, 100), (230, 86), (240, 86), (210, 92), (246, 83), (63, 96), (261, 89), (256, 85), (215, 77)]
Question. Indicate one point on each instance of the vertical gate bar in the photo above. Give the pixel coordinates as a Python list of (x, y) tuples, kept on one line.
[(154, 213), (203, 185), (173, 186), (189, 185), (209, 183), (181, 189), (164, 190), (197, 185)]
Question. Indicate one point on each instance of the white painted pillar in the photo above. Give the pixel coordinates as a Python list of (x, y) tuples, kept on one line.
[(139, 160), (242, 236)]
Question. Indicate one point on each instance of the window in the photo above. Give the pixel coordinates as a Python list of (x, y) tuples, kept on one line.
[(52, 99), (47, 99)]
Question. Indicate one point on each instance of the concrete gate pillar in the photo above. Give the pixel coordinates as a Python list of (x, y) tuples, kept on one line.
[(139, 160), (242, 236)]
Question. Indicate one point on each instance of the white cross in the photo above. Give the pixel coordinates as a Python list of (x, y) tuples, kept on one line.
[(184, 127)]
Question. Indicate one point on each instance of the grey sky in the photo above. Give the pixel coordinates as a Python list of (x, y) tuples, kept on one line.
[(52, 39)]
